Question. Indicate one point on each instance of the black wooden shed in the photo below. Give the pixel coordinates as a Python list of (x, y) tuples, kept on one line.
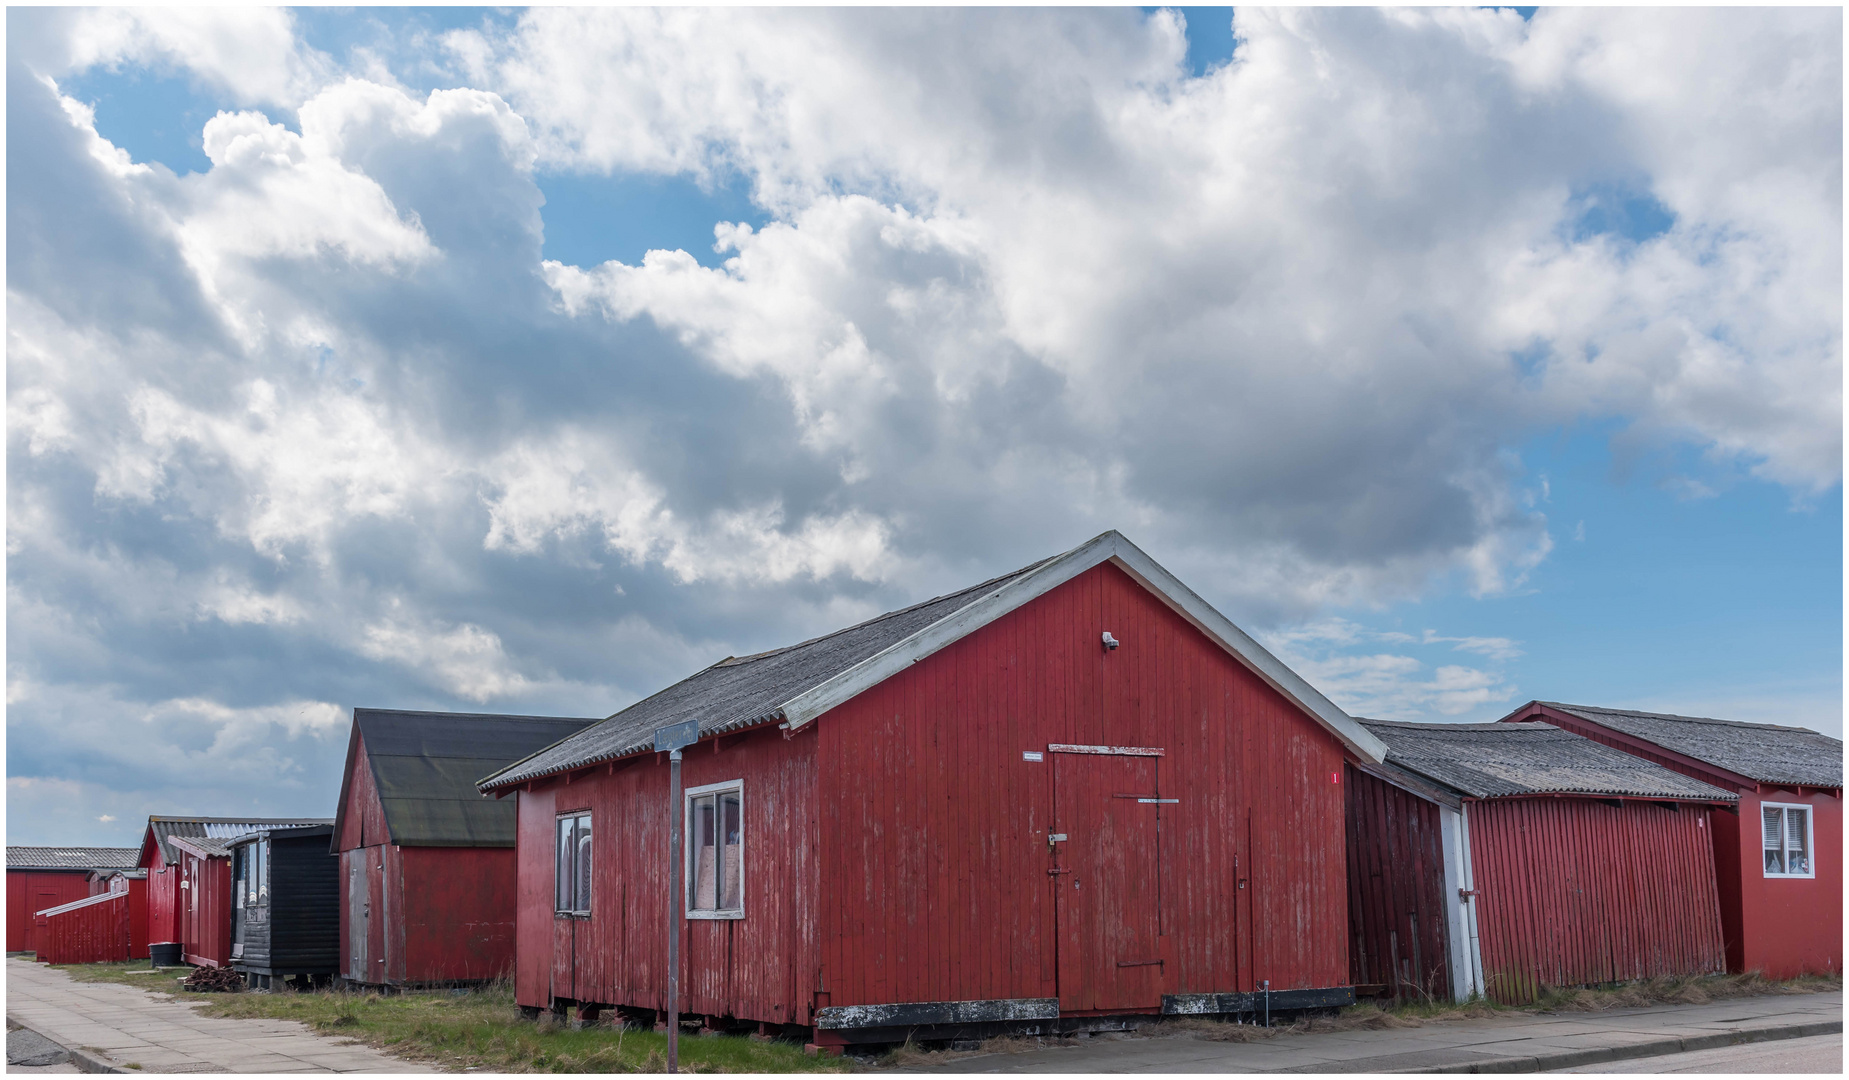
[(285, 905)]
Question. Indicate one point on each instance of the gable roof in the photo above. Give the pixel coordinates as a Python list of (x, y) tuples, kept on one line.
[(425, 765), (1489, 761), (324, 827), (1766, 753), (162, 830), (794, 685), (71, 858)]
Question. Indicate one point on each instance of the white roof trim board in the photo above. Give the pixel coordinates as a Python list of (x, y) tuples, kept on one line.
[(1109, 547)]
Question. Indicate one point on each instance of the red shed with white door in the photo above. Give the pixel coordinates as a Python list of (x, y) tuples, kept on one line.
[(1071, 792), (1778, 856)]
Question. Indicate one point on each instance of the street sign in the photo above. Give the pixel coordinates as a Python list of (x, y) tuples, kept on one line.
[(675, 736)]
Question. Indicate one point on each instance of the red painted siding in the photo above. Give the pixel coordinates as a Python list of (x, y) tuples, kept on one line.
[(163, 901), (31, 891), (111, 929), (934, 882), (205, 910), (457, 915), (1784, 927), (1576, 891), (363, 822), (1780, 927), (533, 916), (757, 967), (897, 849), (432, 915), (1396, 899)]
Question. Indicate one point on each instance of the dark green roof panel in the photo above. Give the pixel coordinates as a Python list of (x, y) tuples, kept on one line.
[(426, 766)]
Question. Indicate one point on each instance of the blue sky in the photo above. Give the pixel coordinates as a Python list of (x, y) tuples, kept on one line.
[(391, 357)]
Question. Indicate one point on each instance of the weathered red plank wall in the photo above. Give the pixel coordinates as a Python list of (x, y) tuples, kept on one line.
[(1780, 927), (758, 967), (935, 883), (920, 872), (205, 918), (102, 931), (32, 891), (457, 914), (1396, 901), (163, 900), (1577, 891)]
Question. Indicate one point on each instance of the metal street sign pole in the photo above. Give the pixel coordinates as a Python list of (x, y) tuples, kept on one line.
[(674, 911), (672, 739)]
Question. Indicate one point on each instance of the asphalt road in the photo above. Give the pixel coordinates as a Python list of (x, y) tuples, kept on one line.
[(1817, 1054)]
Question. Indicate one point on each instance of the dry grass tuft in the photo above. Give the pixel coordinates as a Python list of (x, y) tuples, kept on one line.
[(1213, 1030), (1677, 990)]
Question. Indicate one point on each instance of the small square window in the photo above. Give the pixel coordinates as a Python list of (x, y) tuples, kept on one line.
[(1787, 840), (716, 851), (572, 890)]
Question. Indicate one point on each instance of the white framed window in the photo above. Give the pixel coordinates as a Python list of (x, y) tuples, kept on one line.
[(572, 889), (1786, 832), (716, 851)]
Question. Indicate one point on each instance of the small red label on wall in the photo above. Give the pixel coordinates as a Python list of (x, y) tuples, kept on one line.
[(1335, 778)]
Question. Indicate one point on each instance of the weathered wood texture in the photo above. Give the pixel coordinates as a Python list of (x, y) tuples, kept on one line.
[(1574, 892), (430, 915), (32, 891), (1396, 900), (897, 850), (1781, 927), (107, 928), (935, 883), (205, 910)]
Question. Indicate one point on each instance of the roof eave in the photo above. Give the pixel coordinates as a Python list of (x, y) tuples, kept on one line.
[(1108, 547)]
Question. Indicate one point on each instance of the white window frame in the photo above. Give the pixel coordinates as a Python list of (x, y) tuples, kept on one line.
[(1784, 832), (687, 852), (576, 872)]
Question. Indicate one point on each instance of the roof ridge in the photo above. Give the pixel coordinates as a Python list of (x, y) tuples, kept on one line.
[(1686, 719), (734, 661), (471, 716)]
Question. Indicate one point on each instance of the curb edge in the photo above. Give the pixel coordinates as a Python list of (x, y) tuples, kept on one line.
[(1568, 1059), (85, 1061)]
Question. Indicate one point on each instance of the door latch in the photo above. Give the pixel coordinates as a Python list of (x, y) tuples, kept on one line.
[(1052, 873)]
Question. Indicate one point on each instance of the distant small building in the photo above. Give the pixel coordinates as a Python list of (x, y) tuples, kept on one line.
[(1778, 857), (1496, 859), (426, 863), (189, 891), (39, 878), (285, 906)]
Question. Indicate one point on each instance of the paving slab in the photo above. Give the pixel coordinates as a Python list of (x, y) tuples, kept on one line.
[(1519, 1042), (123, 1024)]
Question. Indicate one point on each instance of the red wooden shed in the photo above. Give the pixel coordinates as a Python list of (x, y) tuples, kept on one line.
[(1069, 793), (38, 878), (173, 906), (1781, 881), (1498, 858), (426, 863), (105, 927)]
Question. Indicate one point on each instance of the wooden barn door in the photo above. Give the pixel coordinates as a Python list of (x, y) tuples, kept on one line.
[(1105, 878), (359, 916)]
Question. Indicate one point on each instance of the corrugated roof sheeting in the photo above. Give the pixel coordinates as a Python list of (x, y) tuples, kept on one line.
[(1768, 753), (165, 828), (1488, 761), (71, 858), (426, 764), (740, 692)]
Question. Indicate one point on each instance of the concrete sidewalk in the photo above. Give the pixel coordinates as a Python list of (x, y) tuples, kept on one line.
[(111, 1027), (1526, 1042)]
